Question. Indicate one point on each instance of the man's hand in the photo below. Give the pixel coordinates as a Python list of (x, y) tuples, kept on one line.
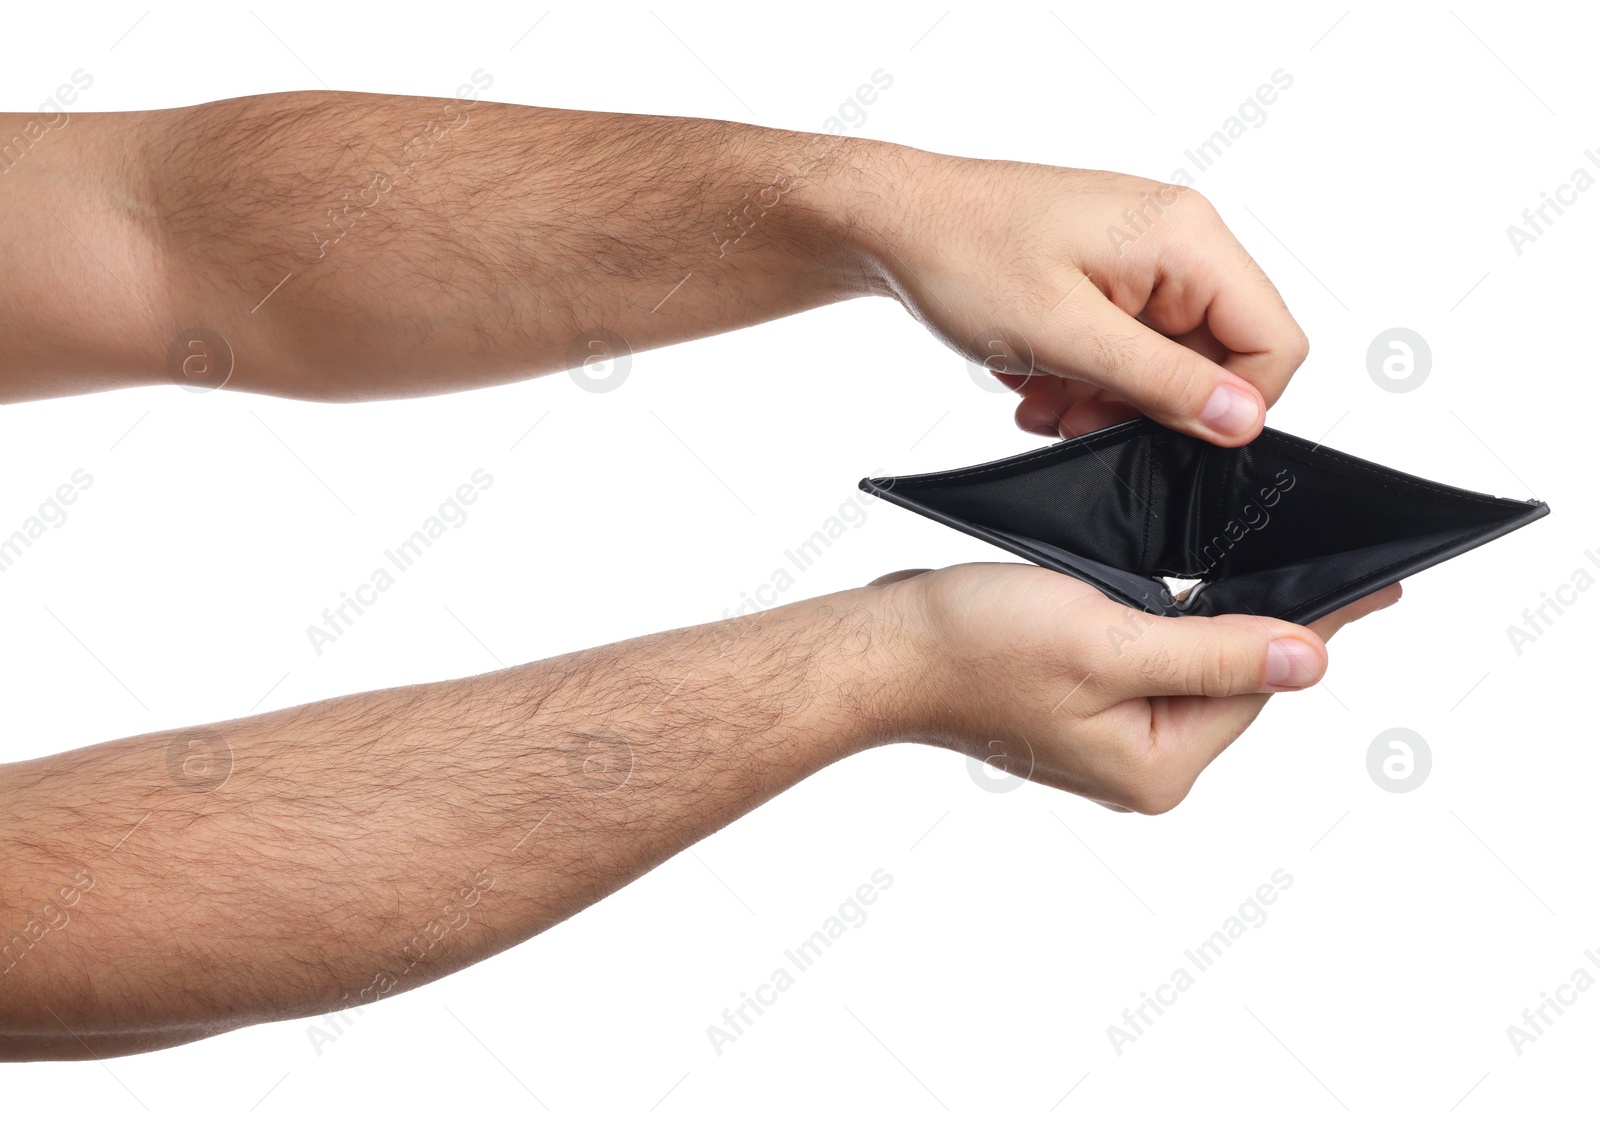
[(199, 907), (1043, 676), (357, 246), (1094, 295)]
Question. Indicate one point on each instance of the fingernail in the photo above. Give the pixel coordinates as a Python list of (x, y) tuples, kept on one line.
[(1230, 411), (1291, 664)]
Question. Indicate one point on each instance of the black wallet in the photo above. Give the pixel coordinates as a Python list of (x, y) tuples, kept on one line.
[(1280, 527)]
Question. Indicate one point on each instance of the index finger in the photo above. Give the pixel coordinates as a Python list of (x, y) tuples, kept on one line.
[(1247, 315)]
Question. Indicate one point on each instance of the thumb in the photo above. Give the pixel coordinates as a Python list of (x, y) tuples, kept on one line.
[(1093, 340), (1220, 656), (1204, 726)]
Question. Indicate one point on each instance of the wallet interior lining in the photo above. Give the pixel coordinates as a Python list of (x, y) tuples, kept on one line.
[(1281, 522)]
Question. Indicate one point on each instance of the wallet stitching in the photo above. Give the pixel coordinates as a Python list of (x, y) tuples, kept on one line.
[(1149, 495), (1281, 441), (1388, 481), (1088, 444), (1371, 573)]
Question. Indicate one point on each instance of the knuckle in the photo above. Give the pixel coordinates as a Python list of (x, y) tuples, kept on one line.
[(1201, 206), (1113, 353), (1152, 778), (1155, 664), (1159, 802), (1156, 788), (1213, 672), (1298, 347), (1185, 382)]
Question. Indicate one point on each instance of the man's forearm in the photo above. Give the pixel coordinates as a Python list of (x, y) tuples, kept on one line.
[(350, 246), (342, 246), (170, 886)]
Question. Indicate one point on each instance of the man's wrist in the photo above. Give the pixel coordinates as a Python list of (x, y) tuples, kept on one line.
[(835, 203), (865, 665), (866, 190)]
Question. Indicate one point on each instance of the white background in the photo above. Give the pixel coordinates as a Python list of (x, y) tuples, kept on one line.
[(1020, 923)]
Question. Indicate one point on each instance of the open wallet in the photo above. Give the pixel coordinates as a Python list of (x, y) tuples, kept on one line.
[(1280, 527)]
